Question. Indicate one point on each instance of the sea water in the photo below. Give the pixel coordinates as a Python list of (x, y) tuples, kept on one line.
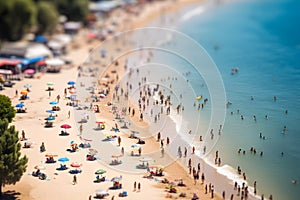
[(262, 39)]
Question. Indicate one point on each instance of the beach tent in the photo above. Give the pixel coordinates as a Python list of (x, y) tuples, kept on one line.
[(40, 39), (55, 62)]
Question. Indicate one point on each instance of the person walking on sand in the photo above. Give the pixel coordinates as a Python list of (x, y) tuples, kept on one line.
[(58, 98), (122, 151), (134, 186), (119, 140), (139, 187), (158, 137), (162, 152), (74, 179), (80, 128)]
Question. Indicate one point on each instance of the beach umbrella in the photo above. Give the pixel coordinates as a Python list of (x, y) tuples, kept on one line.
[(50, 111), (51, 155), (50, 84), (101, 192), (100, 171), (146, 159), (20, 105), (53, 102), (29, 71), (50, 118), (156, 167), (135, 146), (103, 51), (27, 85), (92, 151), (71, 83), (63, 159), (115, 179), (24, 92), (102, 95), (76, 164), (40, 167), (65, 126)]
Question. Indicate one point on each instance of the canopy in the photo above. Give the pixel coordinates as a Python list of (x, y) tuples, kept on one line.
[(53, 102), (24, 92), (101, 192), (29, 71), (51, 155), (116, 156), (146, 159), (115, 179), (40, 167), (63, 159), (100, 171), (40, 38), (55, 62), (28, 85), (71, 83), (20, 105), (93, 151), (28, 61), (76, 164), (65, 126), (135, 146), (50, 118)]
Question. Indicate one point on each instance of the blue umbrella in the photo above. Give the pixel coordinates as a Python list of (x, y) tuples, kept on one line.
[(53, 103), (50, 118), (64, 159), (103, 51), (71, 83), (20, 105), (50, 111)]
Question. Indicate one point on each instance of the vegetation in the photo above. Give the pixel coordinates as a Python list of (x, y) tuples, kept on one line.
[(20, 16), (12, 166), (7, 111), (74, 10), (17, 17), (47, 17)]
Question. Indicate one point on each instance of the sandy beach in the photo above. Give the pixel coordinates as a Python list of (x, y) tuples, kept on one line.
[(59, 184)]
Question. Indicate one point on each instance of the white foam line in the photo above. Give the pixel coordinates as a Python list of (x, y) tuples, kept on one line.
[(192, 13)]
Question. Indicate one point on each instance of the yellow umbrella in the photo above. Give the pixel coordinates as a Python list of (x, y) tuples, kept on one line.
[(24, 92)]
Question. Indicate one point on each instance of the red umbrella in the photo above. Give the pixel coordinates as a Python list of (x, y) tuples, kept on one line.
[(76, 164), (65, 126)]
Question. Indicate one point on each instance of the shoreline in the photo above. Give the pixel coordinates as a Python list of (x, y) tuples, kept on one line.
[(37, 194)]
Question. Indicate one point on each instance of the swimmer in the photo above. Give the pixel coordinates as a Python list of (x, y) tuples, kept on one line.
[(294, 181)]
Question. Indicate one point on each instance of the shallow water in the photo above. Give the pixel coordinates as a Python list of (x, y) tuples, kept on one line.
[(262, 40)]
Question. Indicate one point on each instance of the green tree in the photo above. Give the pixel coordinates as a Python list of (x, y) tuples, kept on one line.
[(17, 17), (47, 16), (12, 166), (75, 10), (7, 111)]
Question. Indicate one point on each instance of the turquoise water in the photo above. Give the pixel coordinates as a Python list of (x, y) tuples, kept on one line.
[(262, 39)]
